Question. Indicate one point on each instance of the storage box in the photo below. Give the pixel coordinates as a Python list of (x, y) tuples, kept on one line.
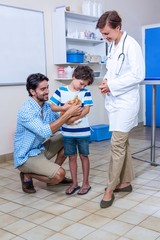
[(75, 57), (100, 132)]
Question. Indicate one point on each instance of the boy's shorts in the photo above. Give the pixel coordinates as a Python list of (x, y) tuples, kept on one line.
[(72, 144), (41, 163)]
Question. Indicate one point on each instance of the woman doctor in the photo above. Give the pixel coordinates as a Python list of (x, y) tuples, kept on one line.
[(125, 71)]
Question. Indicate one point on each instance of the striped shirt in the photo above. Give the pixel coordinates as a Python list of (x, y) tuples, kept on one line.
[(60, 97), (32, 130)]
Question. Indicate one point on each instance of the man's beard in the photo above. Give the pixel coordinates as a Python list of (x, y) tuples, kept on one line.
[(40, 99)]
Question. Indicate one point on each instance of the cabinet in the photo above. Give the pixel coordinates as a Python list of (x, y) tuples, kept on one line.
[(152, 54), (77, 31)]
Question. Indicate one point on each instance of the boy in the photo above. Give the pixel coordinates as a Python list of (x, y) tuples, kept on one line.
[(76, 132)]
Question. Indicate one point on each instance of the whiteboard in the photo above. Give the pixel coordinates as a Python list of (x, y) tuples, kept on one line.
[(22, 44)]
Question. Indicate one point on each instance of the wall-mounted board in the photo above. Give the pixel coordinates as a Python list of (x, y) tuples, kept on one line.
[(22, 44)]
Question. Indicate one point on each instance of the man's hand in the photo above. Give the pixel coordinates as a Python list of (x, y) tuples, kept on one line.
[(69, 103), (74, 110)]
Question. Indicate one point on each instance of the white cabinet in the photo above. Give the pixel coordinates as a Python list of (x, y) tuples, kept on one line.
[(76, 31)]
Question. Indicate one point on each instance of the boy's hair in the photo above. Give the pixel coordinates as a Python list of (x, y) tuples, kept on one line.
[(112, 18), (84, 73), (33, 80)]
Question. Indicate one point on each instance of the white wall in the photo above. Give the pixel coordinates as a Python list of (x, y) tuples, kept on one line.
[(134, 13)]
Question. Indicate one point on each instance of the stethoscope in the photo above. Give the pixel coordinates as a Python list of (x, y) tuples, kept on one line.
[(121, 57)]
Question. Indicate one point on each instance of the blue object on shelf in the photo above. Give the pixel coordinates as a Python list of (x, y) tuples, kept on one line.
[(100, 132), (75, 56)]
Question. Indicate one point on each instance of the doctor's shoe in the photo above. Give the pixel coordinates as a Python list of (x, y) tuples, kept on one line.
[(27, 187), (106, 204), (125, 189)]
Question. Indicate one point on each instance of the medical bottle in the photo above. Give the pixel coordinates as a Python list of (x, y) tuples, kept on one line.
[(95, 8), (99, 7), (85, 7), (90, 7)]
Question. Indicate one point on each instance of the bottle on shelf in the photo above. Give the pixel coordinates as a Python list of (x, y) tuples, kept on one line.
[(95, 8), (85, 7), (61, 73), (99, 9)]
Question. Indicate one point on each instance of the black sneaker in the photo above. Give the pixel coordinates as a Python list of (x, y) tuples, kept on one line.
[(27, 187)]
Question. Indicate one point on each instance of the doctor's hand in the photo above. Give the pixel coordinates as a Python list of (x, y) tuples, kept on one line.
[(104, 87)]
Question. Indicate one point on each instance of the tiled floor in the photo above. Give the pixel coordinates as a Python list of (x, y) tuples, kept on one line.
[(52, 215)]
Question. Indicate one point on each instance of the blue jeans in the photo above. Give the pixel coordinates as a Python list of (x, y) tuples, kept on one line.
[(72, 144)]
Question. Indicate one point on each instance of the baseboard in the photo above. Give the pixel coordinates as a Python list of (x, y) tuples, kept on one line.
[(6, 157)]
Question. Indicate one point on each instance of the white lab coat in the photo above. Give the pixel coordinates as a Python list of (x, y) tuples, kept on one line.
[(122, 103)]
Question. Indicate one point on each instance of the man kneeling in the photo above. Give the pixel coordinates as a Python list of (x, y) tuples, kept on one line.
[(36, 140)]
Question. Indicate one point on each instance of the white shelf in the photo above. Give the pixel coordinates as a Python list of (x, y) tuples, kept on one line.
[(69, 79), (84, 63), (81, 17), (85, 41)]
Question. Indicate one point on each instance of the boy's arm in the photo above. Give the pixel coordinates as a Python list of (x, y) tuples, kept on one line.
[(58, 108)]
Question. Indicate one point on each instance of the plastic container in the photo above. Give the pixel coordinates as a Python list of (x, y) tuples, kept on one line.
[(61, 72), (75, 56), (96, 74), (100, 132)]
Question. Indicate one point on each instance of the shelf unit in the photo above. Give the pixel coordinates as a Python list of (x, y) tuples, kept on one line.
[(67, 27), (69, 79)]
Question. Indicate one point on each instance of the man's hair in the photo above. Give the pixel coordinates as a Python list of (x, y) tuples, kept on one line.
[(33, 81), (111, 18), (84, 73)]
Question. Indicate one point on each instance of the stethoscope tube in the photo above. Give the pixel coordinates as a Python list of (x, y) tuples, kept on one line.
[(121, 55)]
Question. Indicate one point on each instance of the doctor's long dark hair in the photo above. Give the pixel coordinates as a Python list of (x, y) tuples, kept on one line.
[(112, 18)]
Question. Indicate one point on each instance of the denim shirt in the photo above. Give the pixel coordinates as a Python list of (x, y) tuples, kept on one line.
[(32, 130)]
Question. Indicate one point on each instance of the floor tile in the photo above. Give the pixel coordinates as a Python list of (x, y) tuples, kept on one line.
[(152, 223), (39, 233), (117, 227), (101, 235), (39, 217), (139, 233), (4, 235), (145, 208), (95, 221), (75, 214), (132, 217), (19, 227), (78, 230), (57, 223), (6, 219), (59, 236)]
